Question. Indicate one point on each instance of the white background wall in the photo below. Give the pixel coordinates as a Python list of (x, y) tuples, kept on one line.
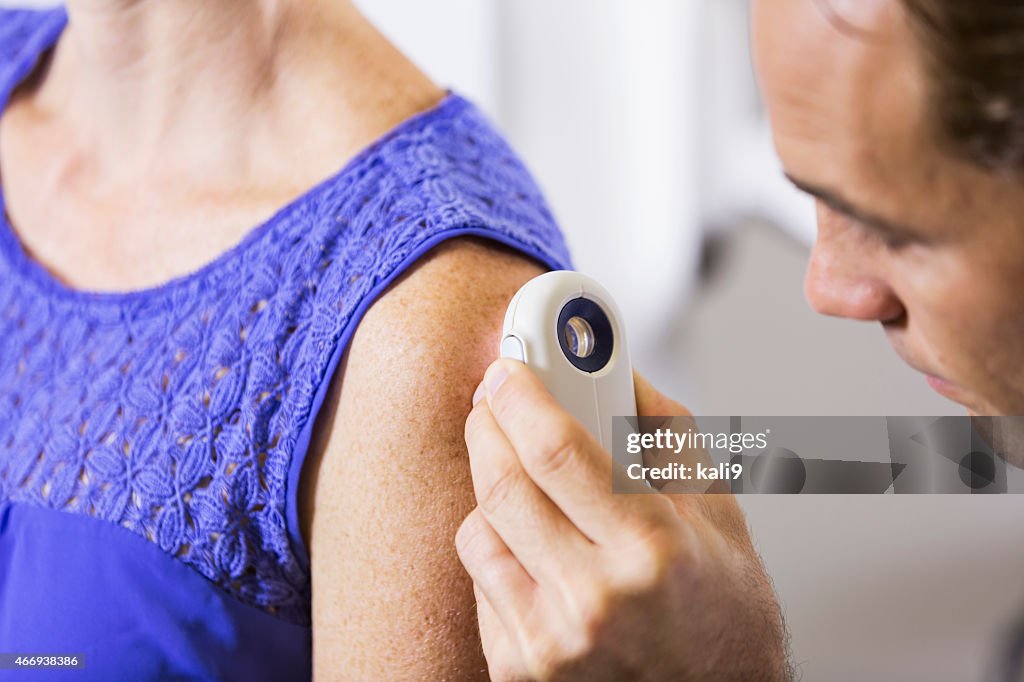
[(641, 120)]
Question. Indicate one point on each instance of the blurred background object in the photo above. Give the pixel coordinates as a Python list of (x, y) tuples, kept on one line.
[(642, 122)]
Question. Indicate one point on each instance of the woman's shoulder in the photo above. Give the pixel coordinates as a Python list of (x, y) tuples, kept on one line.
[(386, 481)]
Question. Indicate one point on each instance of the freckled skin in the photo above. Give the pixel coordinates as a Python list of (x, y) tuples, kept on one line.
[(390, 598), (850, 109)]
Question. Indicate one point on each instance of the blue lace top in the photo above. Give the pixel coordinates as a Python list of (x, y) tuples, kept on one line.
[(151, 441)]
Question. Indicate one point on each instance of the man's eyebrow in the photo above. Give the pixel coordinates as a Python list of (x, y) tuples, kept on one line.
[(841, 205)]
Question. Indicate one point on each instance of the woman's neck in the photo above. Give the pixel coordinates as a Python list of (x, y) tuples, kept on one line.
[(208, 83), (158, 132), (137, 74)]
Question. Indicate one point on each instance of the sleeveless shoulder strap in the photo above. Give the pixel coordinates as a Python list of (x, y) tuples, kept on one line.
[(24, 35)]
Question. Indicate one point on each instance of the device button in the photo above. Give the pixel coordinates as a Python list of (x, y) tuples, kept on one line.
[(512, 347)]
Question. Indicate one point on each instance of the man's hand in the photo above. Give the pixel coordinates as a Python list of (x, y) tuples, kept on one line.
[(576, 583)]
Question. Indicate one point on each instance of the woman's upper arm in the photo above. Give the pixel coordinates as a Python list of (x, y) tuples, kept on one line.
[(388, 481)]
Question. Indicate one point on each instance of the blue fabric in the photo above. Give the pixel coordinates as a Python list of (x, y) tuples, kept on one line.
[(151, 441), (73, 584)]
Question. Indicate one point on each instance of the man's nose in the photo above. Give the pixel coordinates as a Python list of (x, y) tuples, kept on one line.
[(842, 281)]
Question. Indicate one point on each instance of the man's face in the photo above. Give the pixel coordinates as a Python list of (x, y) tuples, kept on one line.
[(908, 235)]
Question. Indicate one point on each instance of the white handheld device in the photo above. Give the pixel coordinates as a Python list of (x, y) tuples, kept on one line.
[(568, 330)]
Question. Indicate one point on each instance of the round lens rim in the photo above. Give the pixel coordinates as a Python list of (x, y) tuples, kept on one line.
[(601, 325)]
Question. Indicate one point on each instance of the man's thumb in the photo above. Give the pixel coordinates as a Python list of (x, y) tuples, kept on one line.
[(651, 403)]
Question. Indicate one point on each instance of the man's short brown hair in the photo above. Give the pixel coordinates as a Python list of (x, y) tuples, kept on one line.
[(974, 54)]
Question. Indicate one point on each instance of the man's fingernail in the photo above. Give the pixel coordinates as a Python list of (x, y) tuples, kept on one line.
[(478, 394), (495, 377)]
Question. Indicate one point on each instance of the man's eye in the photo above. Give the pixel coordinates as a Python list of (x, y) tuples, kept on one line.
[(895, 242)]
